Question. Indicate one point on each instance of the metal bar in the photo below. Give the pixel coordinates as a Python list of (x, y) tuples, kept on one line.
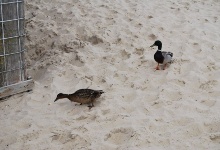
[(3, 44), (2, 79), (11, 2), (12, 20), (20, 86), (13, 53), (19, 43), (23, 40), (16, 88), (6, 71), (13, 37)]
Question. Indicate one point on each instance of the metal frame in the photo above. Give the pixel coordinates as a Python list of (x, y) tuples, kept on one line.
[(12, 2), (23, 83), (3, 43)]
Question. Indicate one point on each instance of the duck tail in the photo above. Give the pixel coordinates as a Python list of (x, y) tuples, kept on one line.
[(169, 53)]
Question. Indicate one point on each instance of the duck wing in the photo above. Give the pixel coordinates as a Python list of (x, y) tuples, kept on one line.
[(167, 57), (88, 93)]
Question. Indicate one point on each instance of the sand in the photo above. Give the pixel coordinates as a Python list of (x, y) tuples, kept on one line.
[(104, 45)]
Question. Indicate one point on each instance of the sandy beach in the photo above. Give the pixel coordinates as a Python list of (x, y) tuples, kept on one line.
[(105, 45)]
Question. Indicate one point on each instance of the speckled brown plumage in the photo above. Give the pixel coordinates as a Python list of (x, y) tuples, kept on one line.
[(82, 96)]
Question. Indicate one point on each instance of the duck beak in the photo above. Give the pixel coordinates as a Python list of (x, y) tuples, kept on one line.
[(152, 45)]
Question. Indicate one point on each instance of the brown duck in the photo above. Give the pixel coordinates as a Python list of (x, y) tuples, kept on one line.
[(82, 96)]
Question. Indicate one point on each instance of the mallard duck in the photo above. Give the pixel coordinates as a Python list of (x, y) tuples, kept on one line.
[(161, 57), (82, 96)]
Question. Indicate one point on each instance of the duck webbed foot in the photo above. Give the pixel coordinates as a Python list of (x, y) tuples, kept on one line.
[(157, 68), (90, 106), (78, 104)]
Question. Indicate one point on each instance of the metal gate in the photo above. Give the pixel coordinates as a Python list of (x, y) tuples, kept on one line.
[(13, 77)]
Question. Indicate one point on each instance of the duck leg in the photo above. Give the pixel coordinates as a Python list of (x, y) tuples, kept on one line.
[(157, 68), (78, 104), (90, 106), (164, 66), (91, 102)]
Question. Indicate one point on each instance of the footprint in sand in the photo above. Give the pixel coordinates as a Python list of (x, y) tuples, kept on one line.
[(66, 137), (105, 111), (78, 61), (215, 137), (120, 136), (186, 67), (139, 51), (211, 67), (161, 28), (174, 95), (125, 55), (82, 117), (212, 127), (152, 37), (208, 85), (183, 121), (30, 136), (150, 17), (180, 82), (197, 47), (81, 129), (94, 40), (208, 102), (216, 19), (129, 96), (110, 20), (121, 77), (192, 130), (23, 125), (7, 141)]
